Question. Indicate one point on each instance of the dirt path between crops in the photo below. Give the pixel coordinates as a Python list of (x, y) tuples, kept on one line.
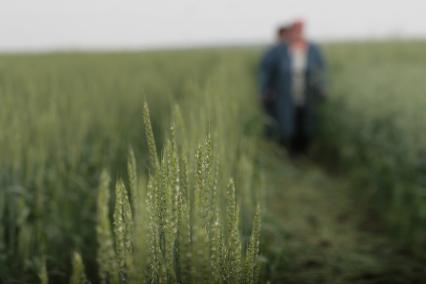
[(316, 234)]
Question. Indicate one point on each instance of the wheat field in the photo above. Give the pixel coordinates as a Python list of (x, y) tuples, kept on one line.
[(150, 167)]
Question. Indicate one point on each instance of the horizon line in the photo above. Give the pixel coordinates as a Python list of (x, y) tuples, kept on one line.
[(193, 45)]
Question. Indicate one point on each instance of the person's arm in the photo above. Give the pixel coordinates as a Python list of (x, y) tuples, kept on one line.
[(322, 73), (266, 69)]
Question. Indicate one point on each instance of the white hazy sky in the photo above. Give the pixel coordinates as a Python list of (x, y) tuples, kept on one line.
[(59, 24)]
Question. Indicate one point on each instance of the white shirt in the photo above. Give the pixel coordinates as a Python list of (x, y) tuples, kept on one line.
[(298, 68)]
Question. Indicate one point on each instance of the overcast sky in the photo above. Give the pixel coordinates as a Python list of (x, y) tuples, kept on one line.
[(62, 24)]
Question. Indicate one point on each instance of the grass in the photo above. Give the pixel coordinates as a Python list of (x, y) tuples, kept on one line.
[(316, 232)]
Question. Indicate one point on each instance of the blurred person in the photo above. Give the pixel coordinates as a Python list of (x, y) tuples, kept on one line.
[(294, 72), (268, 94)]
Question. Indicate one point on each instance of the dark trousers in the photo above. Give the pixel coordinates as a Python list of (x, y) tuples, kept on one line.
[(270, 108), (300, 141)]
